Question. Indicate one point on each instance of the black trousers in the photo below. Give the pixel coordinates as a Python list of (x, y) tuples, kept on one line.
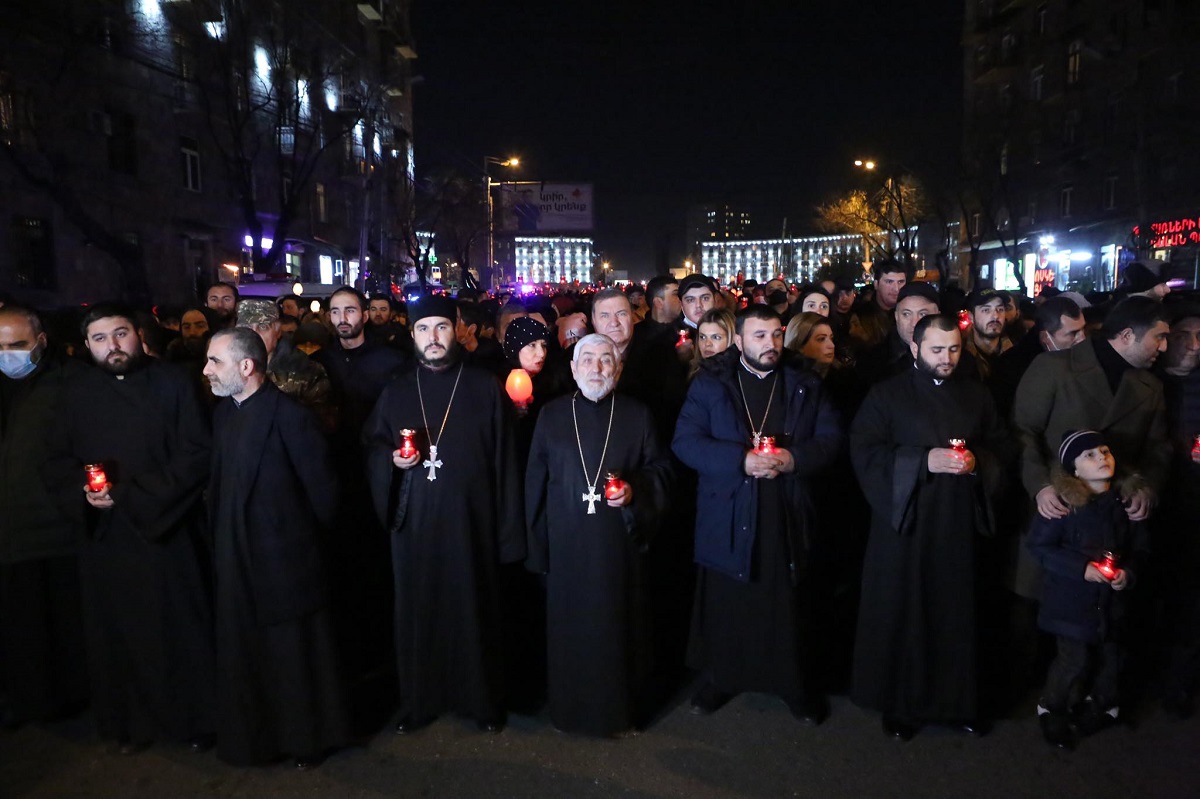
[(1096, 667)]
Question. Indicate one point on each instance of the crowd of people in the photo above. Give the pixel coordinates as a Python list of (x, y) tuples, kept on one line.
[(249, 526)]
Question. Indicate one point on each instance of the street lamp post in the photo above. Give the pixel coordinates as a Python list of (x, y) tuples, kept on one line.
[(491, 222)]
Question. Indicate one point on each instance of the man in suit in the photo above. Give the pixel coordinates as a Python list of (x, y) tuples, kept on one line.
[(1103, 385)]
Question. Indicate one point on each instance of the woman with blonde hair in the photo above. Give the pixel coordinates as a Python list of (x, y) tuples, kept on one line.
[(811, 335)]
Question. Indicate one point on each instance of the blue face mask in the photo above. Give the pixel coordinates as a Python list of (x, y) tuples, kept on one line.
[(17, 364)]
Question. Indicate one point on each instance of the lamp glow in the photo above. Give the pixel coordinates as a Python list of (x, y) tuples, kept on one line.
[(519, 387)]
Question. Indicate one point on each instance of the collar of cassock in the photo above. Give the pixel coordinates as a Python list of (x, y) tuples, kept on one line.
[(751, 372), (936, 382)]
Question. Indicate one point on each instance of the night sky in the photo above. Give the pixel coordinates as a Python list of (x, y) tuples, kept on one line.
[(763, 104)]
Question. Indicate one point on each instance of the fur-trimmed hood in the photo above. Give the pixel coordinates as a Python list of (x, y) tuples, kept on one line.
[(1076, 493)]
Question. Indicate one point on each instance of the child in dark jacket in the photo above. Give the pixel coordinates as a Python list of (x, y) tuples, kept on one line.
[(1089, 557)]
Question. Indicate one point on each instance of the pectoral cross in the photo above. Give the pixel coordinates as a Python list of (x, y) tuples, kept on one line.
[(591, 498), (432, 463)]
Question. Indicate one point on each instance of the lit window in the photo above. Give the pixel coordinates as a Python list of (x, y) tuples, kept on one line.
[(189, 151), (1074, 61)]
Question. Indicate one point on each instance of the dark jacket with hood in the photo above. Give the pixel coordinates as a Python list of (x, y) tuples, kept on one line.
[(1071, 606)]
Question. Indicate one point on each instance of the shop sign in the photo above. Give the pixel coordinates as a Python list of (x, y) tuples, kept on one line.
[(1172, 233)]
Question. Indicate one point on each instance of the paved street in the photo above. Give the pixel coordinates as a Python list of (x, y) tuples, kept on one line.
[(752, 747)]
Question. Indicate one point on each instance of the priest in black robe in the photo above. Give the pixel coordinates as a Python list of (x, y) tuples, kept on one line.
[(272, 501), (753, 618), (916, 654), (592, 547), (144, 562), (453, 511)]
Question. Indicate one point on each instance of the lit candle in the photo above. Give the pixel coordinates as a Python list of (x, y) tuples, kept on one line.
[(1196, 445), (1108, 566), (407, 448), (766, 445), (519, 387), (964, 320), (958, 444), (96, 478), (683, 339), (613, 485)]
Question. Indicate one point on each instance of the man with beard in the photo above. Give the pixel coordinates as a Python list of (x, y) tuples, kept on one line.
[(894, 355), (41, 665), (289, 369), (915, 658), (358, 368), (987, 341), (453, 510), (384, 326), (222, 300), (143, 560), (271, 499), (754, 604), (591, 545)]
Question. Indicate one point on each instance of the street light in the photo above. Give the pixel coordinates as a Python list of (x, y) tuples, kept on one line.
[(488, 160)]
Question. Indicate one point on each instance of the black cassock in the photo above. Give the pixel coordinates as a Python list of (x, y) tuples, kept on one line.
[(916, 647), (449, 537), (273, 497), (597, 617), (144, 563)]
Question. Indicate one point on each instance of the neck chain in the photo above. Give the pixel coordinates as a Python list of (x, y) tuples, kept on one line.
[(432, 463), (591, 497), (756, 435)]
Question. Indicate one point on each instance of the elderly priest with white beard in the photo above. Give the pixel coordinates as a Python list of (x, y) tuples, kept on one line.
[(595, 493)]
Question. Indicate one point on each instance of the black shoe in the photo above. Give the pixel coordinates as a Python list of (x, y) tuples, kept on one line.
[(1177, 706), (492, 726), (202, 743), (811, 711), (1092, 717), (976, 728), (1056, 729), (900, 730), (308, 762), (709, 700), (408, 726)]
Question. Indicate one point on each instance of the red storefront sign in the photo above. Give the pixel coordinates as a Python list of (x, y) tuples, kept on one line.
[(1172, 233)]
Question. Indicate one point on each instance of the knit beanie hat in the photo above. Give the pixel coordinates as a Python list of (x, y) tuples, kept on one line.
[(520, 332), (1074, 444)]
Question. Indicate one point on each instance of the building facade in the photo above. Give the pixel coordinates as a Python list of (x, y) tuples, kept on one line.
[(1079, 120), (794, 259), (553, 259), (714, 223), (154, 146)]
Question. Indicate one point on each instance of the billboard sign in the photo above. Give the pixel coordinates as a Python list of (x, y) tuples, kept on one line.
[(529, 207)]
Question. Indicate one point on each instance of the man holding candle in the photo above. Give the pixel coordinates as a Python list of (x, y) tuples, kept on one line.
[(591, 547), (272, 499), (753, 618), (916, 652), (1090, 557), (453, 511), (143, 559)]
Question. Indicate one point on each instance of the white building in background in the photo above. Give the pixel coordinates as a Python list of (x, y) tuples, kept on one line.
[(553, 259), (796, 259)]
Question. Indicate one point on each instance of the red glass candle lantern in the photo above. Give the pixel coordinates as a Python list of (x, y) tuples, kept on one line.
[(613, 485), (1108, 565), (407, 448), (766, 445), (1196, 445), (683, 339), (96, 478), (959, 445), (964, 321), (519, 387)]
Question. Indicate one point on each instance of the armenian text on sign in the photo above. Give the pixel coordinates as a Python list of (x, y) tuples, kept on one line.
[(1173, 233)]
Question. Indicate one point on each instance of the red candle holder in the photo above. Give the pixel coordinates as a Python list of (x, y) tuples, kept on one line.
[(766, 445), (684, 339), (1108, 565), (1196, 445), (964, 321), (958, 444), (96, 478), (519, 386), (407, 448), (613, 485)]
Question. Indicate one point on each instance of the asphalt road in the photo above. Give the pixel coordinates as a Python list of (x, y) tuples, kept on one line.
[(750, 748)]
